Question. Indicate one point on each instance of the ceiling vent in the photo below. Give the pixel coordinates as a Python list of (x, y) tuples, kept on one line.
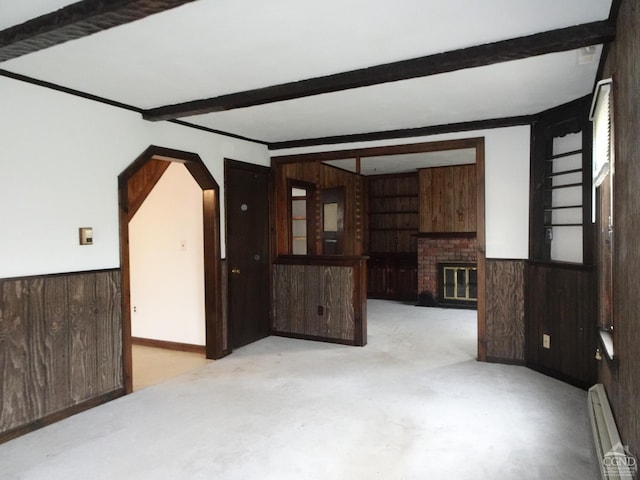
[(587, 55)]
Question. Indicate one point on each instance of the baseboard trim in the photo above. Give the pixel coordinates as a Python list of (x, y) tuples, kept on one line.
[(60, 415), (506, 361), (315, 338), (584, 385), (180, 347)]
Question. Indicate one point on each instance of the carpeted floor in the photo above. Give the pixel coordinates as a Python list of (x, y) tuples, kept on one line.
[(412, 404)]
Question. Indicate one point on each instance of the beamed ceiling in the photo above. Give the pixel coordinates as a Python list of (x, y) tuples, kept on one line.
[(291, 73)]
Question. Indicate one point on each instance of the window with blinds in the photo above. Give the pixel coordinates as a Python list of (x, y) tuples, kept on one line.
[(601, 117)]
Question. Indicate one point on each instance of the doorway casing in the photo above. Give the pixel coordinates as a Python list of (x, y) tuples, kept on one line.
[(129, 200), (478, 144)]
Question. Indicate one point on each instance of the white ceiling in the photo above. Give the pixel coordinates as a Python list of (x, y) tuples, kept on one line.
[(208, 48)]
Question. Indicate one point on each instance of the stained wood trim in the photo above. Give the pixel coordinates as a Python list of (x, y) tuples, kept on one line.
[(69, 91), (149, 185), (488, 54), (216, 131), (212, 265), (61, 415), (113, 103), (360, 303), (62, 274), (408, 132), (329, 260), (177, 346), (481, 257), (446, 235), (506, 361), (75, 21), (421, 147), (563, 265), (560, 376), (316, 338)]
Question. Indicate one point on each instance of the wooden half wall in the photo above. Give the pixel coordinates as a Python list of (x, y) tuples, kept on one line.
[(60, 347), (561, 303), (504, 304), (321, 298)]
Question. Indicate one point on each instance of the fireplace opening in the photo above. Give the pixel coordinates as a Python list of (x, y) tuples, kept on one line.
[(458, 284)]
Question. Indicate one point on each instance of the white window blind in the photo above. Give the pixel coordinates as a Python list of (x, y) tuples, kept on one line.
[(602, 131)]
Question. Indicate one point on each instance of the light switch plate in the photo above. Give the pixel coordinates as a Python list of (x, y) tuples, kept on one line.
[(546, 341), (86, 236)]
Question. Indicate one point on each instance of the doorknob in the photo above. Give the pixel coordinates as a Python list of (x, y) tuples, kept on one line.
[(235, 270)]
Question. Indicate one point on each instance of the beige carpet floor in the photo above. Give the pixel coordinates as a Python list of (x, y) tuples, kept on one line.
[(413, 404)]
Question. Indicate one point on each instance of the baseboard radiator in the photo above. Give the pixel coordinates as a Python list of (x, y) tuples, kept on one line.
[(615, 462)]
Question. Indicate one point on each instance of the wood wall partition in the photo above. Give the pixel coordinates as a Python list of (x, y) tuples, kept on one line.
[(61, 344), (308, 167), (321, 299), (505, 310), (622, 377), (560, 303), (322, 177)]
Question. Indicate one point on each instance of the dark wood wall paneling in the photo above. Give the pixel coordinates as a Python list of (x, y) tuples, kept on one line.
[(392, 229), (448, 198), (560, 302), (143, 181), (622, 380), (61, 344), (322, 176), (505, 310), (321, 300), (224, 287), (560, 297)]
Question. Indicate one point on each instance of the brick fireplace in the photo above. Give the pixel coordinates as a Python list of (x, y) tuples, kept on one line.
[(441, 248)]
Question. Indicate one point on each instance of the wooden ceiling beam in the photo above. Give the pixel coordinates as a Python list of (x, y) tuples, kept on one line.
[(514, 49), (76, 21)]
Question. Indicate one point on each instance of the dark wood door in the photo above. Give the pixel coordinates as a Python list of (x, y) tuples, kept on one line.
[(248, 262)]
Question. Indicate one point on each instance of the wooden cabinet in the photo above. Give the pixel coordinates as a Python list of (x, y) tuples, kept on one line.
[(392, 277), (448, 199)]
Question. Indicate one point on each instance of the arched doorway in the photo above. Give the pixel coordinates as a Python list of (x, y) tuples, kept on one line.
[(134, 185)]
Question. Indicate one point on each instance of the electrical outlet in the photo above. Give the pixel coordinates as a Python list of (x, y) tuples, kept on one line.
[(546, 341)]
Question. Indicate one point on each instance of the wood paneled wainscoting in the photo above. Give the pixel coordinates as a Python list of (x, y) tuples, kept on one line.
[(561, 303), (60, 347), (504, 300), (321, 298)]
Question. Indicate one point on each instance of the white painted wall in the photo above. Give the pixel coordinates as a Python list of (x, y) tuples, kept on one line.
[(167, 261), (507, 157), (60, 157), (566, 245)]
